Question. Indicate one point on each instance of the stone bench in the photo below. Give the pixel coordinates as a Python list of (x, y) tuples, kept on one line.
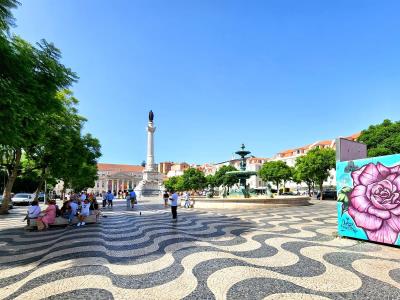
[(60, 221)]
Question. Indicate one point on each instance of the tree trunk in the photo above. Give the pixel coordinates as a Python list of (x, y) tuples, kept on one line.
[(320, 188), (277, 188), (39, 188), (63, 192), (10, 182), (309, 189), (313, 188)]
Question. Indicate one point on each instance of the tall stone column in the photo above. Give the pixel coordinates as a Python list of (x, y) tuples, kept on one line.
[(150, 147)]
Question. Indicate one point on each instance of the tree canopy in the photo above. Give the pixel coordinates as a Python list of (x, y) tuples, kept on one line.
[(191, 180), (275, 172), (382, 139), (221, 178), (314, 167), (7, 19), (40, 125)]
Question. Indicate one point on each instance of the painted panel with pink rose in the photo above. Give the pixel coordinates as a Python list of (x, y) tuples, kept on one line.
[(369, 199)]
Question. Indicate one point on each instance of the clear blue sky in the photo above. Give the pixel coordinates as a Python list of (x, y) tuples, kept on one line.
[(271, 74)]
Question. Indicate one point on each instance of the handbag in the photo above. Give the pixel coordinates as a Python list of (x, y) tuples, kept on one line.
[(40, 225)]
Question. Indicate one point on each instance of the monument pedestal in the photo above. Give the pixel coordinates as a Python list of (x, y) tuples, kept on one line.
[(149, 185)]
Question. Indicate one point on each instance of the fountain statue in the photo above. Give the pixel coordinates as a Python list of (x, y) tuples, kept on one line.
[(242, 174)]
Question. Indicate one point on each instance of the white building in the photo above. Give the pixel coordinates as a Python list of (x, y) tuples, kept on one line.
[(290, 156), (255, 164), (252, 164), (116, 177)]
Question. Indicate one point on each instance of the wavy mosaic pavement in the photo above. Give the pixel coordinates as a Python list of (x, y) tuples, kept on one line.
[(272, 253)]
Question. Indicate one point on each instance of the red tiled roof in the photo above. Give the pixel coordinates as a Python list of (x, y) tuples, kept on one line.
[(354, 136), (331, 143), (119, 168)]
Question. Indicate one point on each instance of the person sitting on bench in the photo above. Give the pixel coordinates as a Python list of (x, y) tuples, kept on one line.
[(48, 217), (33, 211)]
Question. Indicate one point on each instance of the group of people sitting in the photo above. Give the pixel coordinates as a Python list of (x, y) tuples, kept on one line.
[(75, 206)]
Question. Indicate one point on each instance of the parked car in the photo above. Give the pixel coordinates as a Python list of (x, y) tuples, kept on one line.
[(40, 197), (10, 206), (327, 195), (288, 194), (22, 198)]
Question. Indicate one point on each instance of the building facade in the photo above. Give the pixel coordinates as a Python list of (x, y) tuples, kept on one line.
[(177, 169), (165, 167), (116, 178), (290, 156), (255, 164)]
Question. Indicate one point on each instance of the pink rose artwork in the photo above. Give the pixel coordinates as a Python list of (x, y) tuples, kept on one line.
[(375, 201)]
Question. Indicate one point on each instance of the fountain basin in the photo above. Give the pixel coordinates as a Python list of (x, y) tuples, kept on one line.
[(240, 203), (242, 174)]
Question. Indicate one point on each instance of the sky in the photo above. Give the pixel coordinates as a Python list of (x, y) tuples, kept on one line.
[(273, 74)]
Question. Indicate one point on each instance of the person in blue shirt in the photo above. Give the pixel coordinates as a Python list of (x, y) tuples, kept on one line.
[(110, 198), (132, 196), (174, 205)]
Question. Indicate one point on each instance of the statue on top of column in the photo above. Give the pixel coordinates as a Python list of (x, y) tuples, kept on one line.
[(151, 116)]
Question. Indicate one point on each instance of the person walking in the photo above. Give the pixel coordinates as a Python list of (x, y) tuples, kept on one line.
[(128, 200), (104, 199), (187, 200), (133, 198), (165, 197), (83, 197), (174, 205), (73, 211), (110, 198)]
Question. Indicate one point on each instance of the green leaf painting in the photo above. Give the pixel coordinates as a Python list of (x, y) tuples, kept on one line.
[(343, 196)]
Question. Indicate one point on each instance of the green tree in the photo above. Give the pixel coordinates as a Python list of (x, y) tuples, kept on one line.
[(275, 172), (221, 177), (29, 80), (303, 173), (175, 183), (211, 183), (382, 139), (79, 168), (316, 165), (6, 17), (193, 179), (50, 152), (210, 179)]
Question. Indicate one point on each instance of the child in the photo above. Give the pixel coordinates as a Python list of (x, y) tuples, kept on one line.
[(187, 200), (85, 212)]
